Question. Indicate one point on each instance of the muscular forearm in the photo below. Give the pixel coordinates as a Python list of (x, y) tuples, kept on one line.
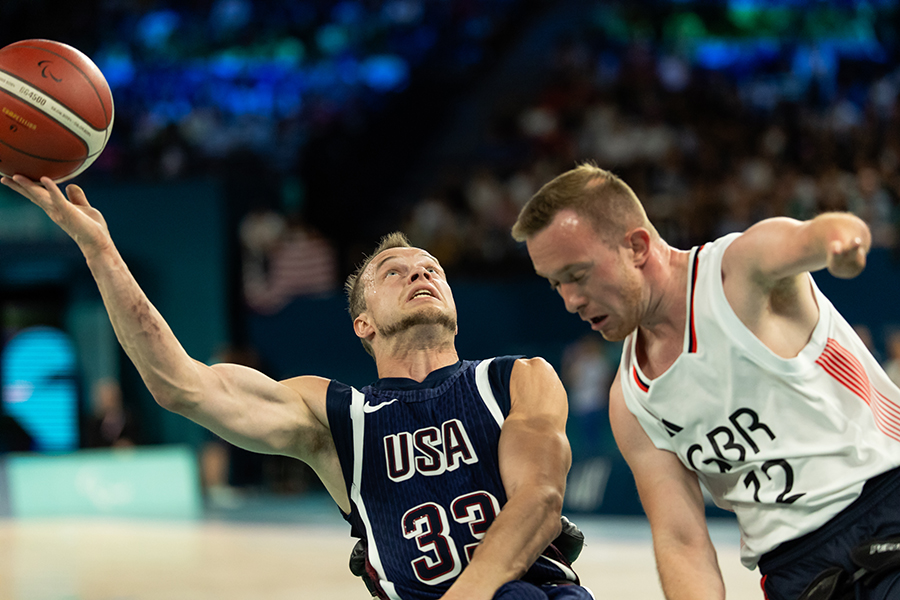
[(689, 574), (523, 529), (167, 370)]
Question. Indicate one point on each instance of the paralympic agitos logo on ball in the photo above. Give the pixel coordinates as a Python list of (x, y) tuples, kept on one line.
[(45, 70), (56, 110)]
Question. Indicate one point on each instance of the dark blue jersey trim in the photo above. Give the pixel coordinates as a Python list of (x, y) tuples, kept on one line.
[(434, 379)]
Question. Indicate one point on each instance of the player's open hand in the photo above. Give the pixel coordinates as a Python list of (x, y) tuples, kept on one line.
[(846, 259), (74, 215)]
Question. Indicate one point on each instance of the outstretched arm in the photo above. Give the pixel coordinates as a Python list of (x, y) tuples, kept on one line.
[(671, 497), (240, 404), (534, 460), (780, 248)]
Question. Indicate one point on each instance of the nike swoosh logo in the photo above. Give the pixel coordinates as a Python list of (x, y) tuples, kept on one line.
[(368, 408)]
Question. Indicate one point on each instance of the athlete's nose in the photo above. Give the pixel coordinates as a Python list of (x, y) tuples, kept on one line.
[(571, 297), (419, 272)]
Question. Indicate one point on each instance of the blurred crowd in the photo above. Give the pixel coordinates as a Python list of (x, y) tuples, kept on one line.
[(713, 131), (717, 118)]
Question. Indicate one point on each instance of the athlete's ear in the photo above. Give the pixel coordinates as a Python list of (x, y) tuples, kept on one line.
[(363, 328), (638, 242)]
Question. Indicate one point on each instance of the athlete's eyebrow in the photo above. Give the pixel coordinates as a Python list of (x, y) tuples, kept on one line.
[(566, 270), (384, 260)]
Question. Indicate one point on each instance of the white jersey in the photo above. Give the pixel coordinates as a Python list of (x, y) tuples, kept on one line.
[(784, 443)]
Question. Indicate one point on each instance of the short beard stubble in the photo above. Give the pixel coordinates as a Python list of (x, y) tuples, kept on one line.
[(442, 320)]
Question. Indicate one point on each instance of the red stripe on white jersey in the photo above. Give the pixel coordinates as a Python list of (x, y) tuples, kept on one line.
[(855, 381), (692, 327), (846, 369), (889, 405), (637, 379)]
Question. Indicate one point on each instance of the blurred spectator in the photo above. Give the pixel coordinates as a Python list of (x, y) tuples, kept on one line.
[(865, 334), (215, 465), (872, 203), (433, 224), (110, 424), (259, 233), (283, 260), (587, 372), (892, 348), (493, 213)]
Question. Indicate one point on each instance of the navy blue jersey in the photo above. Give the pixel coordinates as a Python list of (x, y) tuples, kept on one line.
[(421, 468)]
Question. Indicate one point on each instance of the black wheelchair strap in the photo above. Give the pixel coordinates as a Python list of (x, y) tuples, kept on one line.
[(875, 559), (830, 584)]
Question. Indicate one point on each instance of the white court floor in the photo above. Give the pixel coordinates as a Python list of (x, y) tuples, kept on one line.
[(229, 559)]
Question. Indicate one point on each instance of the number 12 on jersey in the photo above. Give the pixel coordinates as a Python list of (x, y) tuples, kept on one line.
[(428, 524)]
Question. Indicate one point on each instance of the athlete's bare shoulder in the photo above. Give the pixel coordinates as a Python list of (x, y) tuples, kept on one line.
[(312, 390)]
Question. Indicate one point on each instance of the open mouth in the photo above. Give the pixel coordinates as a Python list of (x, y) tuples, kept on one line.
[(422, 294), (597, 321)]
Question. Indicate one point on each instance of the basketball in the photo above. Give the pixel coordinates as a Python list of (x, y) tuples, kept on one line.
[(56, 110)]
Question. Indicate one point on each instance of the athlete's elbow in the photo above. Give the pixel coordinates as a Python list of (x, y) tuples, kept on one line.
[(182, 391), (173, 400), (548, 501), (178, 394), (554, 499)]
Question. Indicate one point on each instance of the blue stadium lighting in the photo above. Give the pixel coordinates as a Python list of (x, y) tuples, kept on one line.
[(385, 72), (155, 28), (40, 392), (117, 66)]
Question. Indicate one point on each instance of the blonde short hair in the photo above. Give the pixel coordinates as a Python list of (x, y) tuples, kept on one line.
[(609, 204)]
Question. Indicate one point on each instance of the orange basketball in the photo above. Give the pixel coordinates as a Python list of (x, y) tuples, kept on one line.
[(56, 110)]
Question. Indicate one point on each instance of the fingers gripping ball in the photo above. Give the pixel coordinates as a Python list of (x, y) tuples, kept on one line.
[(56, 110)]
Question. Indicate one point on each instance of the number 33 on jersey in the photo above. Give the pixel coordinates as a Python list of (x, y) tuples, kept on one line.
[(421, 468)]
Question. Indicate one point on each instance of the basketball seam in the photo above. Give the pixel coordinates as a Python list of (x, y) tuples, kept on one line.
[(44, 158), (77, 68)]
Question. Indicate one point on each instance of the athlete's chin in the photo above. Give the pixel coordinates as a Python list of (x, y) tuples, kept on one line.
[(427, 317), (616, 334), (430, 315), (426, 313)]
